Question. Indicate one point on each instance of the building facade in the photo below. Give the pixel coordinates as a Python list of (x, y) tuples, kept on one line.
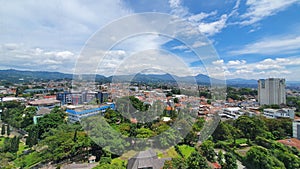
[(271, 91), (296, 129), (77, 98), (76, 114), (279, 113)]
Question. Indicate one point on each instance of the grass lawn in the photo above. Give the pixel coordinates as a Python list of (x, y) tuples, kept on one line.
[(241, 141), (28, 160), (186, 150), (119, 161), (22, 147), (170, 153), (238, 141), (1, 140)]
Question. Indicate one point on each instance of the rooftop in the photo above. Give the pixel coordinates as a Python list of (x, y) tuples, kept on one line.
[(291, 142), (44, 102)]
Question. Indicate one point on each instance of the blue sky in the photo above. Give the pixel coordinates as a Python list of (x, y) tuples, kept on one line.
[(253, 38)]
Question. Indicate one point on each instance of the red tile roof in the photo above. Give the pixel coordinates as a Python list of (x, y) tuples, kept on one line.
[(291, 142), (216, 165)]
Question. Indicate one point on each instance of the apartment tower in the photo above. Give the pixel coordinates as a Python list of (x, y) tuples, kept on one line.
[(271, 91)]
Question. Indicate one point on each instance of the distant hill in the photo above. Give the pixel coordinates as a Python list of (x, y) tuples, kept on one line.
[(18, 76)]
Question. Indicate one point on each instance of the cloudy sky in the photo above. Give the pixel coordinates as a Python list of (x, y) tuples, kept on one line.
[(251, 38)]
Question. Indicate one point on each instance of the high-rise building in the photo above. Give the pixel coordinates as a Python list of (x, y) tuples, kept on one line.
[(271, 91), (296, 129)]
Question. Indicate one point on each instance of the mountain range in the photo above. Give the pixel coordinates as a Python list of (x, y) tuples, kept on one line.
[(18, 76)]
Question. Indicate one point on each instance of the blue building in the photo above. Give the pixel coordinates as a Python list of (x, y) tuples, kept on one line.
[(76, 115)]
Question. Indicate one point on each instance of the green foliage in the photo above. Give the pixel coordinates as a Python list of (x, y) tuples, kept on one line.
[(144, 133), (49, 121), (196, 161), (176, 100), (207, 148), (281, 152), (8, 130), (223, 132), (108, 138), (105, 160), (220, 158), (230, 161), (10, 145), (293, 102), (159, 127), (3, 129), (198, 125), (186, 150), (238, 94), (289, 160), (261, 158), (59, 143), (250, 127), (28, 160), (32, 138), (176, 163), (280, 128), (13, 114), (168, 139)]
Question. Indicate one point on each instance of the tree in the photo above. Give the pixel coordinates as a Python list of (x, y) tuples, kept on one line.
[(144, 133), (52, 120), (196, 161), (260, 158), (290, 160), (250, 127), (220, 158), (198, 125), (222, 132), (7, 144), (32, 138), (230, 161), (105, 160), (207, 148), (176, 163), (8, 130), (176, 100), (3, 129), (14, 144)]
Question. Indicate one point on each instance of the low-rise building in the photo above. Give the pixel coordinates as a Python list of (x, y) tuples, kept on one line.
[(75, 113), (49, 103), (231, 112), (279, 113)]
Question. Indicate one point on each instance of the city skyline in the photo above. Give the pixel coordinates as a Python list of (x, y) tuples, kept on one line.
[(254, 39)]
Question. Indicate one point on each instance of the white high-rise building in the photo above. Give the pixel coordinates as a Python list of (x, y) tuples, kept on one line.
[(296, 129), (271, 91)]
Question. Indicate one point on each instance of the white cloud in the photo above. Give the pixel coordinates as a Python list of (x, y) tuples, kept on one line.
[(177, 8), (236, 62), (278, 67), (260, 9), (174, 3), (273, 45), (198, 44), (201, 16), (26, 58), (56, 24), (180, 47), (213, 27), (218, 62)]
